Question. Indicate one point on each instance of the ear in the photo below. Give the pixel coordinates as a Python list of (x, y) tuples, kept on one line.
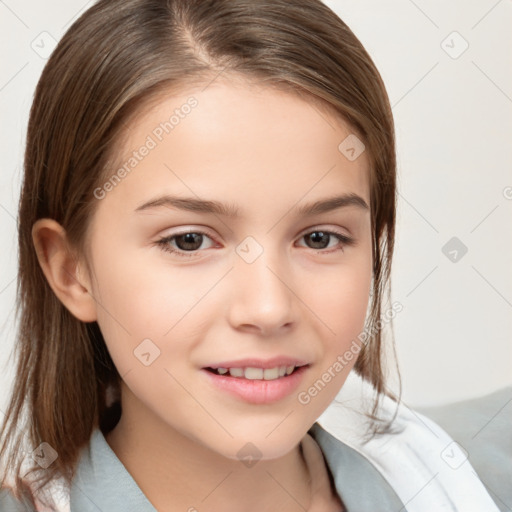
[(62, 269)]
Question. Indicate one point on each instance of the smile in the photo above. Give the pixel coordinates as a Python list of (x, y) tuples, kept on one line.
[(252, 373), (256, 385)]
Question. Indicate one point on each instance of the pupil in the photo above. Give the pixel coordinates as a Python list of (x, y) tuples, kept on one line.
[(192, 241), (322, 239)]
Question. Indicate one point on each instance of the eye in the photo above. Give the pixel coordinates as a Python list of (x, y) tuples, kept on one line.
[(182, 243), (187, 244), (321, 239)]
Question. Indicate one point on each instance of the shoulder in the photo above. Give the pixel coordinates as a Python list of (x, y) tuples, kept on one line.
[(482, 428), (49, 499), (29, 495), (9, 503), (415, 457)]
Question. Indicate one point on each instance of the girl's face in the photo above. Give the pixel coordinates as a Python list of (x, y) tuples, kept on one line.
[(273, 281)]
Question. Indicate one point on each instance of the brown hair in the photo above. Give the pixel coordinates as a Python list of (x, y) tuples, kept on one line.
[(117, 56)]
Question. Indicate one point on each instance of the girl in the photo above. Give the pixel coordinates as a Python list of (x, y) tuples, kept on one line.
[(206, 230)]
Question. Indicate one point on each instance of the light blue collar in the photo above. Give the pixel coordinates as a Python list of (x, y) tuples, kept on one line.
[(102, 483)]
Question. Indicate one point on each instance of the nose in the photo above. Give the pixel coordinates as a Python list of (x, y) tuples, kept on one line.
[(262, 299)]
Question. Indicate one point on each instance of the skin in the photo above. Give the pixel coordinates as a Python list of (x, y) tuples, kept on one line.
[(268, 152)]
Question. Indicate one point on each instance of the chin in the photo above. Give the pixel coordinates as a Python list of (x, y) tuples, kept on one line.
[(262, 446), (250, 452)]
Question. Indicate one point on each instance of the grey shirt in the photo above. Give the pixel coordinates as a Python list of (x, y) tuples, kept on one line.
[(102, 483)]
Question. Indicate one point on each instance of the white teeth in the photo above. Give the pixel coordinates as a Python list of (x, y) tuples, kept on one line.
[(251, 373), (271, 373)]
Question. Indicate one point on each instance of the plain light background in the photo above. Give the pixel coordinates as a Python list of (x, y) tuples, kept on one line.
[(448, 72)]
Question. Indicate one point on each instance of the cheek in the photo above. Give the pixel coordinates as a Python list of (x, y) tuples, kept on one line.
[(134, 303), (340, 299), (145, 307), (144, 296)]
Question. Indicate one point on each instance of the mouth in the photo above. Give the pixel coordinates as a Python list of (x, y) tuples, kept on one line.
[(256, 385), (254, 373)]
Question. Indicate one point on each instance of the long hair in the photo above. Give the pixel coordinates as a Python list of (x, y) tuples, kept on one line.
[(118, 56)]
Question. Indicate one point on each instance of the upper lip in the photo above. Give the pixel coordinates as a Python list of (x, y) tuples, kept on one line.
[(254, 362)]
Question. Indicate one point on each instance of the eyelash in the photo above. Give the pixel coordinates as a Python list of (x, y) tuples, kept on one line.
[(163, 243)]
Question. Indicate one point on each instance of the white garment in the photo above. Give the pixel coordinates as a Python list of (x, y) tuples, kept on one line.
[(424, 466), (426, 469)]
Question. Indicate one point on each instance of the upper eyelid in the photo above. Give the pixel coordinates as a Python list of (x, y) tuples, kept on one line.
[(202, 231)]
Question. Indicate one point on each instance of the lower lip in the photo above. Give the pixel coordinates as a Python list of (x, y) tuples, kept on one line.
[(258, 391)]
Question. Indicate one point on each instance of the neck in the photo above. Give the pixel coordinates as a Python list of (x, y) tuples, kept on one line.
[(177, 473)]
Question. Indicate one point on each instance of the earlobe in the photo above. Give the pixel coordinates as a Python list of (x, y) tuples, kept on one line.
[(62, 270)]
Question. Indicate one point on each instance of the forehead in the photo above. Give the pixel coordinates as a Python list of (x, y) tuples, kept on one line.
[(238, 136)]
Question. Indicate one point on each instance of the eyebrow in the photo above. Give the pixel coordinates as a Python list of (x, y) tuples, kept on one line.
[(228, 210)]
